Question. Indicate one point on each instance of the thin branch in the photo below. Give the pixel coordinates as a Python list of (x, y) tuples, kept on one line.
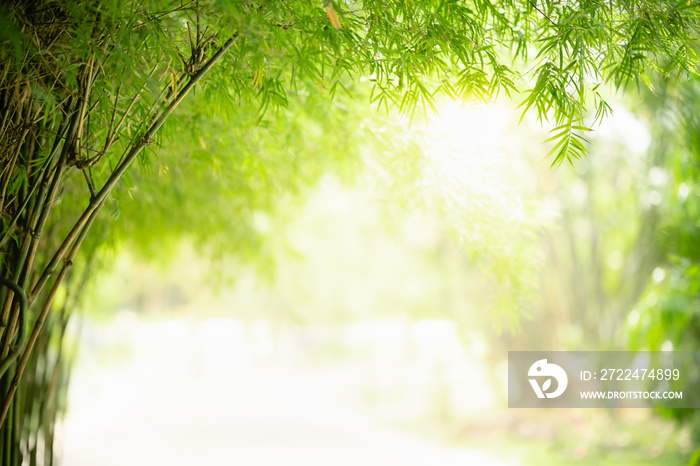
[(121, 168), (534, 5)]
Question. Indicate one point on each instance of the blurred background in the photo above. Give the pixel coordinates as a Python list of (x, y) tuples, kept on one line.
[(367, 316)]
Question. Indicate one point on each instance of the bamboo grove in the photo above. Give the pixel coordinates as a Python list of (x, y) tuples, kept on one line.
[(44, 138), (87, 86)]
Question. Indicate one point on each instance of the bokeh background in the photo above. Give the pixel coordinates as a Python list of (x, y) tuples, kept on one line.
[(371, 320)]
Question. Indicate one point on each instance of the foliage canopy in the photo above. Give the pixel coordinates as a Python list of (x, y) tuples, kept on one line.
[(86, 87)]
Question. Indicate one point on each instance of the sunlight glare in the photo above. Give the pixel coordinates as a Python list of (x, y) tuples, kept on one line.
[(468, 146)]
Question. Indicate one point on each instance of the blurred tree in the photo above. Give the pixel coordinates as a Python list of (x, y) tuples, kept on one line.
[(86, 88), (602, 251), (667, 316)]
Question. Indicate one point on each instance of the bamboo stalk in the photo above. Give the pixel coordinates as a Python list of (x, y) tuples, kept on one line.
[(10, 169), (22, 317), (8, 323), (80, 229), (121, 168), (30, 196), (67, 263), (48, 204)]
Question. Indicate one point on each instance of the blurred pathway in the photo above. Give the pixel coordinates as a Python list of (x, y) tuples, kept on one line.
[(135, 417)]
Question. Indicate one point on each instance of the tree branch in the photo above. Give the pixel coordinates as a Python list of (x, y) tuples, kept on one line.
[(97, 201)]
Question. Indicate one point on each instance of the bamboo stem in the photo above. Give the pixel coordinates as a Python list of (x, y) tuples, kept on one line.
[(67, 263), (8, 353), (40, 176), (121, 168), (10, 169), (48, 204), (80, 229)]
